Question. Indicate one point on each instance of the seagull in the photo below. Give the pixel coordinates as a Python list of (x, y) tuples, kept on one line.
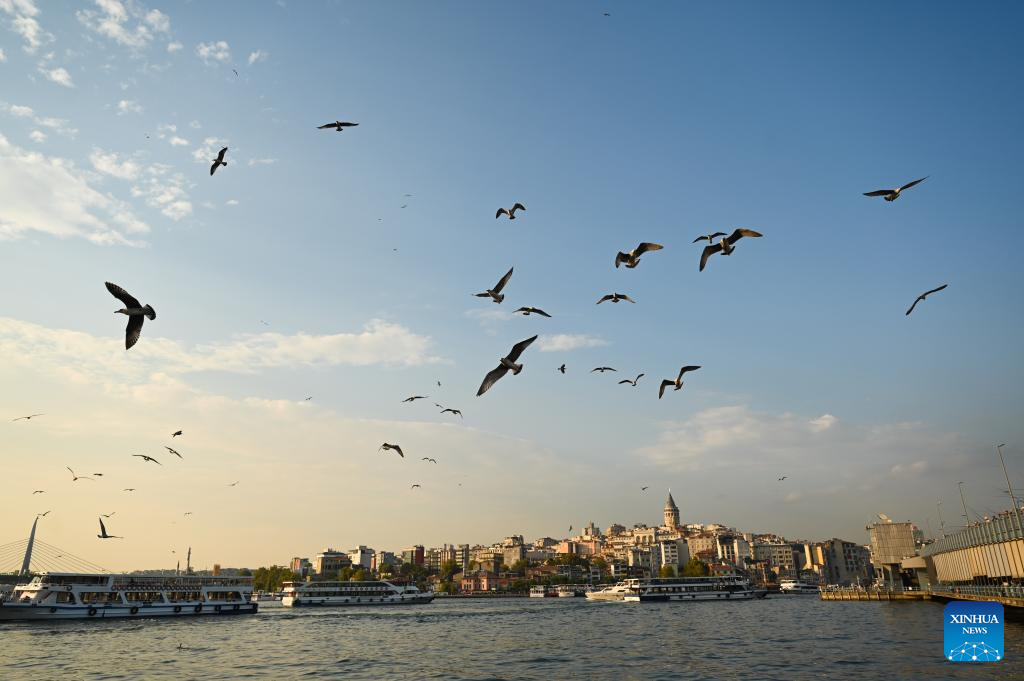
[(427, 458), (644, 489), (264, 323), (615, 297), (678, 383), (219, 161), (103, 532), (108, 514), (923, 296), (236, 71), (232, 484), (561, 369), (527, 311), (415, 397), (709, 237), (135, 312), (75, 478), (147, 458), (387, 447), (338, 126), (39, 491), (173, 451), (129, 489), (439, 384), (98, 475), (414, 487), (43, 515), (495, 294), (510, 212), (602, 369), (506, 363), (893, 194), (176, 433), (27, 418), (570, 528), (188, 512), (783, 478), (633, 382), (725, 245), (632, 259), (453, 411), (308, 399)]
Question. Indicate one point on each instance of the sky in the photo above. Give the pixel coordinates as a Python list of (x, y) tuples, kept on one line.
[(341, 266)]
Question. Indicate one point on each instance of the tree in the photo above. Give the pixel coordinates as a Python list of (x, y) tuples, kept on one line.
[(448, 569), (473, 565), (695, 568), (359, 575), (519, 567), (245, 572), (345, 574), (385, 570), (667, 571), (270, 579)]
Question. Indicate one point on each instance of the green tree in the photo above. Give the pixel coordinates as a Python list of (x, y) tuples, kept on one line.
[(519, 567), (667, 571), (448, 570), (270, 579), (359, 575), (345, 574), (695, 568)]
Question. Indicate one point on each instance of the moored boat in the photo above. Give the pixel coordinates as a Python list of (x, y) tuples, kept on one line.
[(612, 592), (543, 592), (692, 589), (794, 587), (71, 595), (379, 592)]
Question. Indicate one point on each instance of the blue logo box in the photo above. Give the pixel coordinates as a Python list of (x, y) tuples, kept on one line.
[(973, 631)]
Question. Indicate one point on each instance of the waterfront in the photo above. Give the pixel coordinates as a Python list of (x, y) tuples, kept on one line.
[(777, 638)]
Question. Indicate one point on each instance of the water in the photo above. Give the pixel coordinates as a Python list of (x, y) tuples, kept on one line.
[(790, 638)]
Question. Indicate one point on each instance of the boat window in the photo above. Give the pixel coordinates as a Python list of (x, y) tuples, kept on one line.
[(65, 597)]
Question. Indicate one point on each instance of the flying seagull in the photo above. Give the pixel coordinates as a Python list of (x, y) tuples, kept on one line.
[(147, 458), (27, 418), (893, 194), (135, 311), (98, 475), (219, 161), (188, 512), (527, 311), (510, 212), (615, 297), (129, 489), (173, 451), (387, 447), (495, 294), (415, 397), (338, 126), (427, 458), (678, 383), (602, 369), (75, 478), (708, 237), (632, 259), (39, 491), (43, 515), (633, 382), (506, 363), (923, 296), (107, 515), (232, 484), (176, 433), (562, 368), (452, 411), (643, 489), (783, 478), (414, 487), (726, 245), (103, 532)]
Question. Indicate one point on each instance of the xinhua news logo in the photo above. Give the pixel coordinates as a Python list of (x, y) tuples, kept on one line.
[(973, 631)]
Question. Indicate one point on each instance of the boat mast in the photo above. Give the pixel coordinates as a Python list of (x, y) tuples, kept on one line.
[(28, 549)]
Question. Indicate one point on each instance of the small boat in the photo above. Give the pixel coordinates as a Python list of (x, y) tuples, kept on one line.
[(794, 587), (73, 595), (543, 592), (613, 592), (692, 589), (379, 592)]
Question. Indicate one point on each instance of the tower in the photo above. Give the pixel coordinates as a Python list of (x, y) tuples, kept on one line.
[(671, 513)]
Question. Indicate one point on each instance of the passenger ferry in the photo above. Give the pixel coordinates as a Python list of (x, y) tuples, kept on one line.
[(72, 595), (792, 586), (381, 592), (613, 592), (692, 589), (543, 592)]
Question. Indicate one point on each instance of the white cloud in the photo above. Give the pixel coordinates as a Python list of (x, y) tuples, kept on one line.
[(208, 149), (164, 190), (231, 202), (564, 341), (23, 22), (176, 141), (258, 55), (50, 195), (58, 124), (174, 47), (194, 125), (912, 469), (822, 423), (58, 75), (109, 163), (127, 25), (214, 52), (20, 111), (3, 55), (262, 161), (37, 136), (126, 106)]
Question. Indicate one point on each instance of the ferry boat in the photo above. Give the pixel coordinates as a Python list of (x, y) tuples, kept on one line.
[(691, 589), (571, 590), (380, 592), (543, 592), (792, 586), (73, 595), (613, 592)]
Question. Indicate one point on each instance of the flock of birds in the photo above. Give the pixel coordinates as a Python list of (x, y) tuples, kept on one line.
[(725, 245)]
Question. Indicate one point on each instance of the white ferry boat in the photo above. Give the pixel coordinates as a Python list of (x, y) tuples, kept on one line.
[(613, 592), (543, 592), (72, 595), (381, 592), (792, 586), (692, 589)]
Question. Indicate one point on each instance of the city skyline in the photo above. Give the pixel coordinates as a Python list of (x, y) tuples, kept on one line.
[(341, 267)]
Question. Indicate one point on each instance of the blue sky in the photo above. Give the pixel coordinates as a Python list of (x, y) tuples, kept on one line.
[(658, 123)]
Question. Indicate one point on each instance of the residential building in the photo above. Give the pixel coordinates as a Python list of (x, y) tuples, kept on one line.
[(327, 563), (361, 557)]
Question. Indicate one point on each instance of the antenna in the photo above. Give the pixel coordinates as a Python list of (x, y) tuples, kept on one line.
[(967, 520)]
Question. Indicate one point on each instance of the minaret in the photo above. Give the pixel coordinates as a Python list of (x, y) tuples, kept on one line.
[(671, 513)]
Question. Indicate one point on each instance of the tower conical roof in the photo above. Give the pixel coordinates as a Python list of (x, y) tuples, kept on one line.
[(671, 503)]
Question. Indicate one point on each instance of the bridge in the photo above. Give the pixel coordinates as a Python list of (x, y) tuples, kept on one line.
[(20, 559)]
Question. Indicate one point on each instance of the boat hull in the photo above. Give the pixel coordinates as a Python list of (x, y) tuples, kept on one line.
[(18, 611), (710, 596), (329, 602)]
